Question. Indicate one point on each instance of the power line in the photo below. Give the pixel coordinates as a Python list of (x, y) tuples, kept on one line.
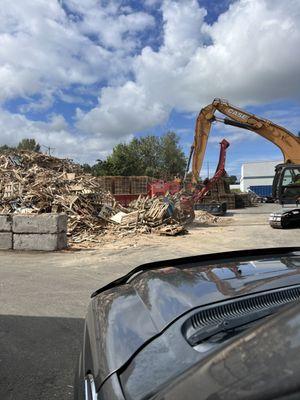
[(49, 149)]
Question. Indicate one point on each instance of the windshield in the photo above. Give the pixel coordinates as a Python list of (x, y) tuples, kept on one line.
[(288, 185), (135, 132)]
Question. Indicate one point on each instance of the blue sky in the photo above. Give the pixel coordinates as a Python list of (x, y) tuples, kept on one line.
[(82, 76)]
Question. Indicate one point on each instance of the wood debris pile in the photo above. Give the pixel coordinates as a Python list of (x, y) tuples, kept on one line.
[(151, 215), (203, 217), (37, 183)]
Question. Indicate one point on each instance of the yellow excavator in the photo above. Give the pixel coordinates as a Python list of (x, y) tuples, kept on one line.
[(286, 184)]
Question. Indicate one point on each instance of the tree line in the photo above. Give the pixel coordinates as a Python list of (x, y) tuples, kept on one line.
[(159, 157), (24, 144)]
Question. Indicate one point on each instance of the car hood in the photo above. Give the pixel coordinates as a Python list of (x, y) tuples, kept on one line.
[(133, 310)]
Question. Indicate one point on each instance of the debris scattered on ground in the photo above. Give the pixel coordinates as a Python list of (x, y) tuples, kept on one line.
[(37, 183), (204, 217), (151, 215)]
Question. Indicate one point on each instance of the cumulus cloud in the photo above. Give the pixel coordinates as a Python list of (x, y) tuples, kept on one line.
[(114, 25), (250, 55), (289, 118), (37, 49), (48, 47), (56, 133), (45, 46), (123, 111)]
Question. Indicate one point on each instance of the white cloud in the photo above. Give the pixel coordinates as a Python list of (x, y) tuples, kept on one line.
[(42, 48), (234, 137), (113, 24), (46, 48), (40, 51), (250, 55), (55, 133), (123, 111), (289, 118)]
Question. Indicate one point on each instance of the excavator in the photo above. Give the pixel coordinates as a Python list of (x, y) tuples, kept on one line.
[(286, 184)]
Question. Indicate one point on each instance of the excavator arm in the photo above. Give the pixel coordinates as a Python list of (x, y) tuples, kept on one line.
[(288, 143)]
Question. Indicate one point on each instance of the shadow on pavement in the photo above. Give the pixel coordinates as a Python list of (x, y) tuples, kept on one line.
[(38, 357)]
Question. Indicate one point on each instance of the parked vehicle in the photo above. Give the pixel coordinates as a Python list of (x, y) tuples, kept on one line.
[(218, 326)]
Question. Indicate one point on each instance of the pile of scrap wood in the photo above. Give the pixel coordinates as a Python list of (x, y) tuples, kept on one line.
[(146, 215), (36, 183), (205, 218)]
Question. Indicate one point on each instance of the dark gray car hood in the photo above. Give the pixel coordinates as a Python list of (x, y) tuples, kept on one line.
[(129, 312)]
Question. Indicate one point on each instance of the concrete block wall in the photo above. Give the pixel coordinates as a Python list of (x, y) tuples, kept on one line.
[(45, 232), (5, 232)]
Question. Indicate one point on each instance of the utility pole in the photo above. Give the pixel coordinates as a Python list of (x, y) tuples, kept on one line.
[(208, 169), (49, 149)]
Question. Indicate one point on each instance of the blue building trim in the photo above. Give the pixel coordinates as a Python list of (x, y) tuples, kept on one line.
[(262, 190)]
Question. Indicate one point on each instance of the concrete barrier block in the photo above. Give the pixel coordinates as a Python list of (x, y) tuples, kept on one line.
[(43, 242), (43, 223), (5, 240), (5, 223)]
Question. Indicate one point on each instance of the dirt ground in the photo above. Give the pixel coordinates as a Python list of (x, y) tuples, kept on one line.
[(239, 229), (43, 296)]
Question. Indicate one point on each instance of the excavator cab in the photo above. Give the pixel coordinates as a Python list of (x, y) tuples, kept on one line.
[(286, 184), (286, 190)]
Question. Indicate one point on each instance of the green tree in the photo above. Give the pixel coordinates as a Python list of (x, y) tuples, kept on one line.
[(29, 144), (148, 152), (87, 168), (173, 160), (102, 168), (232, 180), (160, 157), (124, 160), (5, 147)]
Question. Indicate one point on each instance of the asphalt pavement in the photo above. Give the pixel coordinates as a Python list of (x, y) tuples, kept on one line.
[(44, 296)]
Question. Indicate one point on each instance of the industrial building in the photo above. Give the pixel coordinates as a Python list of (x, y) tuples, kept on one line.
[(258, 177)]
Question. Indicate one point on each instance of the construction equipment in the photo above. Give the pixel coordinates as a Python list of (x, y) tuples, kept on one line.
[(189, 201), (286, 184), (214, 207), (192, 195), (220, 171)]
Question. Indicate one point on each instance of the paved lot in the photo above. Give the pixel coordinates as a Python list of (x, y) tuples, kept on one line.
[(43, 296)]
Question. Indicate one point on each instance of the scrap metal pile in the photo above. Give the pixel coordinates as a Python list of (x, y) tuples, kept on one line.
[(37, 183)]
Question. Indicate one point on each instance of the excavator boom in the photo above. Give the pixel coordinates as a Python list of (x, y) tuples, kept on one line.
[(288, 143)]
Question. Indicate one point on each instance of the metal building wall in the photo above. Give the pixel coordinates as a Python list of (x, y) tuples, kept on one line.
[(258, 174)]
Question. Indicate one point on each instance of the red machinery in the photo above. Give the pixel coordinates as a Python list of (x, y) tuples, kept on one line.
[(189, 200), (160, 188), (220, 172)]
